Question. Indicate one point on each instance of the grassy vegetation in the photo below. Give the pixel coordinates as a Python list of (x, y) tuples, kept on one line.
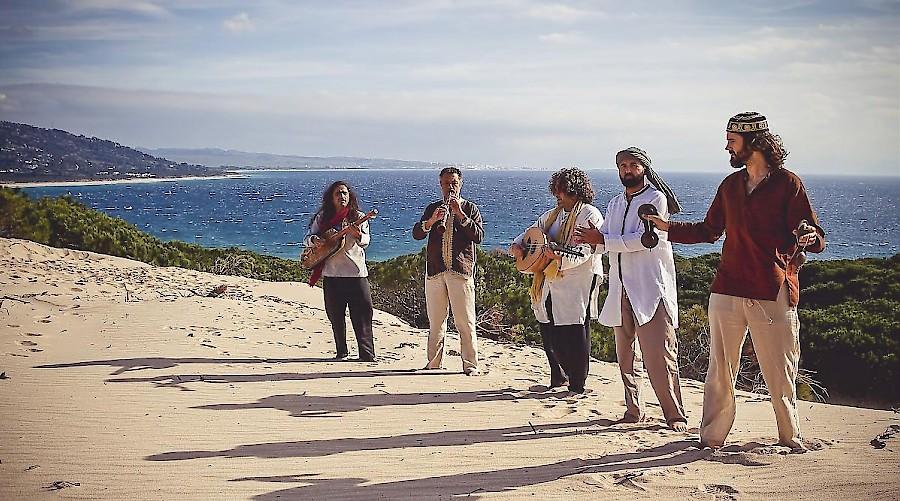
[(849, 312)]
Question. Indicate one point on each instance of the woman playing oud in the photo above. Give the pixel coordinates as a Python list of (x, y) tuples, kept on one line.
[(564, 294), (346, 275)]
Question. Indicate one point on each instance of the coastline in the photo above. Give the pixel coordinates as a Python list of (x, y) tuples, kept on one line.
[(102, 182)]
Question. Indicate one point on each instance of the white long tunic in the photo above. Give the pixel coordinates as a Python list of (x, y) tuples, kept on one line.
[(349, 260), (571, 288), (647, 275)]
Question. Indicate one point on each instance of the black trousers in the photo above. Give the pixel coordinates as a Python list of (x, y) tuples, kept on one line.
[(568, 349), (341, 292)]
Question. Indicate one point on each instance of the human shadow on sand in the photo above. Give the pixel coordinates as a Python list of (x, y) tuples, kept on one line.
[(177, 380), (312, 486), (136, 364), (302, 405), (327, 447)]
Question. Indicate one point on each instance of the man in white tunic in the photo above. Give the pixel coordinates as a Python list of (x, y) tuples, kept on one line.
[(564, 295), (642, 305)]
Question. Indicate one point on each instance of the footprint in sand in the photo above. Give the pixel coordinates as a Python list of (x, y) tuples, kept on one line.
[(721, 492), (30, 345), (816, 444), (631, 481), (745, 458), (554, 411)]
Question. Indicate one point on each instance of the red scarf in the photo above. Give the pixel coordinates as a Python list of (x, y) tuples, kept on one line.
[(337, 218)]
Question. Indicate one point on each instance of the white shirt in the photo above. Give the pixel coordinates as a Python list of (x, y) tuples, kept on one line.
[(648, 275), (570, 291), (349, 260)]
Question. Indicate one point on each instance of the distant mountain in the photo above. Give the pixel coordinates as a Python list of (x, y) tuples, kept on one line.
[(248, 160), (30, 154)]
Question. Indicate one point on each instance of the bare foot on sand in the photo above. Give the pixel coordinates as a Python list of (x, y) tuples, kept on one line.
[(679, 426), (629, 418)]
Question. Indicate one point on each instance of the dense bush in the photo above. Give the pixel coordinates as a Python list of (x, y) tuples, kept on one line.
[(849, 311)]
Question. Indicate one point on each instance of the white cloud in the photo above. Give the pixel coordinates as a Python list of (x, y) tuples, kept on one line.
[(490, 81), (144, 8), (453, 71), (559, 13), (100, 30), (569, 38), (758, 46), (277, 67), (238, 23), (542, 127)]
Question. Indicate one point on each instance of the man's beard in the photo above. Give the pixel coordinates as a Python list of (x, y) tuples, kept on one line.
[(630, 180), (739, 158)]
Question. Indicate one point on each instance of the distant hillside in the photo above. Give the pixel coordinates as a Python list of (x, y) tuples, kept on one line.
[(34, 154), (248, 160)]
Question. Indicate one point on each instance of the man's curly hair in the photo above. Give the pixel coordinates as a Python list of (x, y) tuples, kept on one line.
[(770, 145), (573, 181)]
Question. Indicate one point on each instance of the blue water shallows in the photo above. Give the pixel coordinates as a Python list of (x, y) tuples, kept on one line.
[(269, 212)]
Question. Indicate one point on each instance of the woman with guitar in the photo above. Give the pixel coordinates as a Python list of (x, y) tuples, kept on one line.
[(339, 224), (564, 288)]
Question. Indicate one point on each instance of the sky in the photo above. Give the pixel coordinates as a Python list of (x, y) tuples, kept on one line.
[(514, 83)]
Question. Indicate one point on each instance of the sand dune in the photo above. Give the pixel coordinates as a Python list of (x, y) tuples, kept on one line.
[(125, 381)]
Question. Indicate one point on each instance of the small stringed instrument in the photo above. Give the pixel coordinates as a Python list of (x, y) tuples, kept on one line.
[(332, 241), (533, 258)]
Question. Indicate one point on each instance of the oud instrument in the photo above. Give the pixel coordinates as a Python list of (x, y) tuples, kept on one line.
[(332, 241), (533, 259)]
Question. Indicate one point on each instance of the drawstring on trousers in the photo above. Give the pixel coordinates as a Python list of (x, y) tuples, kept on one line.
[(751, 302)]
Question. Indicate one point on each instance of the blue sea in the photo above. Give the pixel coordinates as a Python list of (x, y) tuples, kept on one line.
[(269, 211)]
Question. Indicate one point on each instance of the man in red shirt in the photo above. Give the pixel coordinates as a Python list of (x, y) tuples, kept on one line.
[(765, 213)]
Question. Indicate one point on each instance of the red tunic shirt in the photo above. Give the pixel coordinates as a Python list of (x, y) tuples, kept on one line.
[(758, 234)]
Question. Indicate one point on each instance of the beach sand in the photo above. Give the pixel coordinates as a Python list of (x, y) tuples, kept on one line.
[(124, 381)]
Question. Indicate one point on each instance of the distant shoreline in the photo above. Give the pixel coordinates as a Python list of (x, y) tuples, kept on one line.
[(137, 180)]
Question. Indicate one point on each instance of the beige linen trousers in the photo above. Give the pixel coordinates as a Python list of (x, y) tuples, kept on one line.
[(442, 292), (774, 328)]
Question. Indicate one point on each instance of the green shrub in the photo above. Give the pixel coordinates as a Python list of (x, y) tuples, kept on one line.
[(65, 222)]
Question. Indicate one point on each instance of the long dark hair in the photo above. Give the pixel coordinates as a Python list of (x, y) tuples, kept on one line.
[(327, 209), (770, 145)]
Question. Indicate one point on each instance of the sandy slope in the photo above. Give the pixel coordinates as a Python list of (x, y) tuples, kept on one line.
[(125, 382)]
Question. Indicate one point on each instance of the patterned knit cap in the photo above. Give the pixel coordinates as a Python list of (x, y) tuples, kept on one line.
[(748, 121), (671, 201)]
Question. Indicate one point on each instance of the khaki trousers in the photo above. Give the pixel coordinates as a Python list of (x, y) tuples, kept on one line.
[(774, 328), (441, 293), (656, 343)]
